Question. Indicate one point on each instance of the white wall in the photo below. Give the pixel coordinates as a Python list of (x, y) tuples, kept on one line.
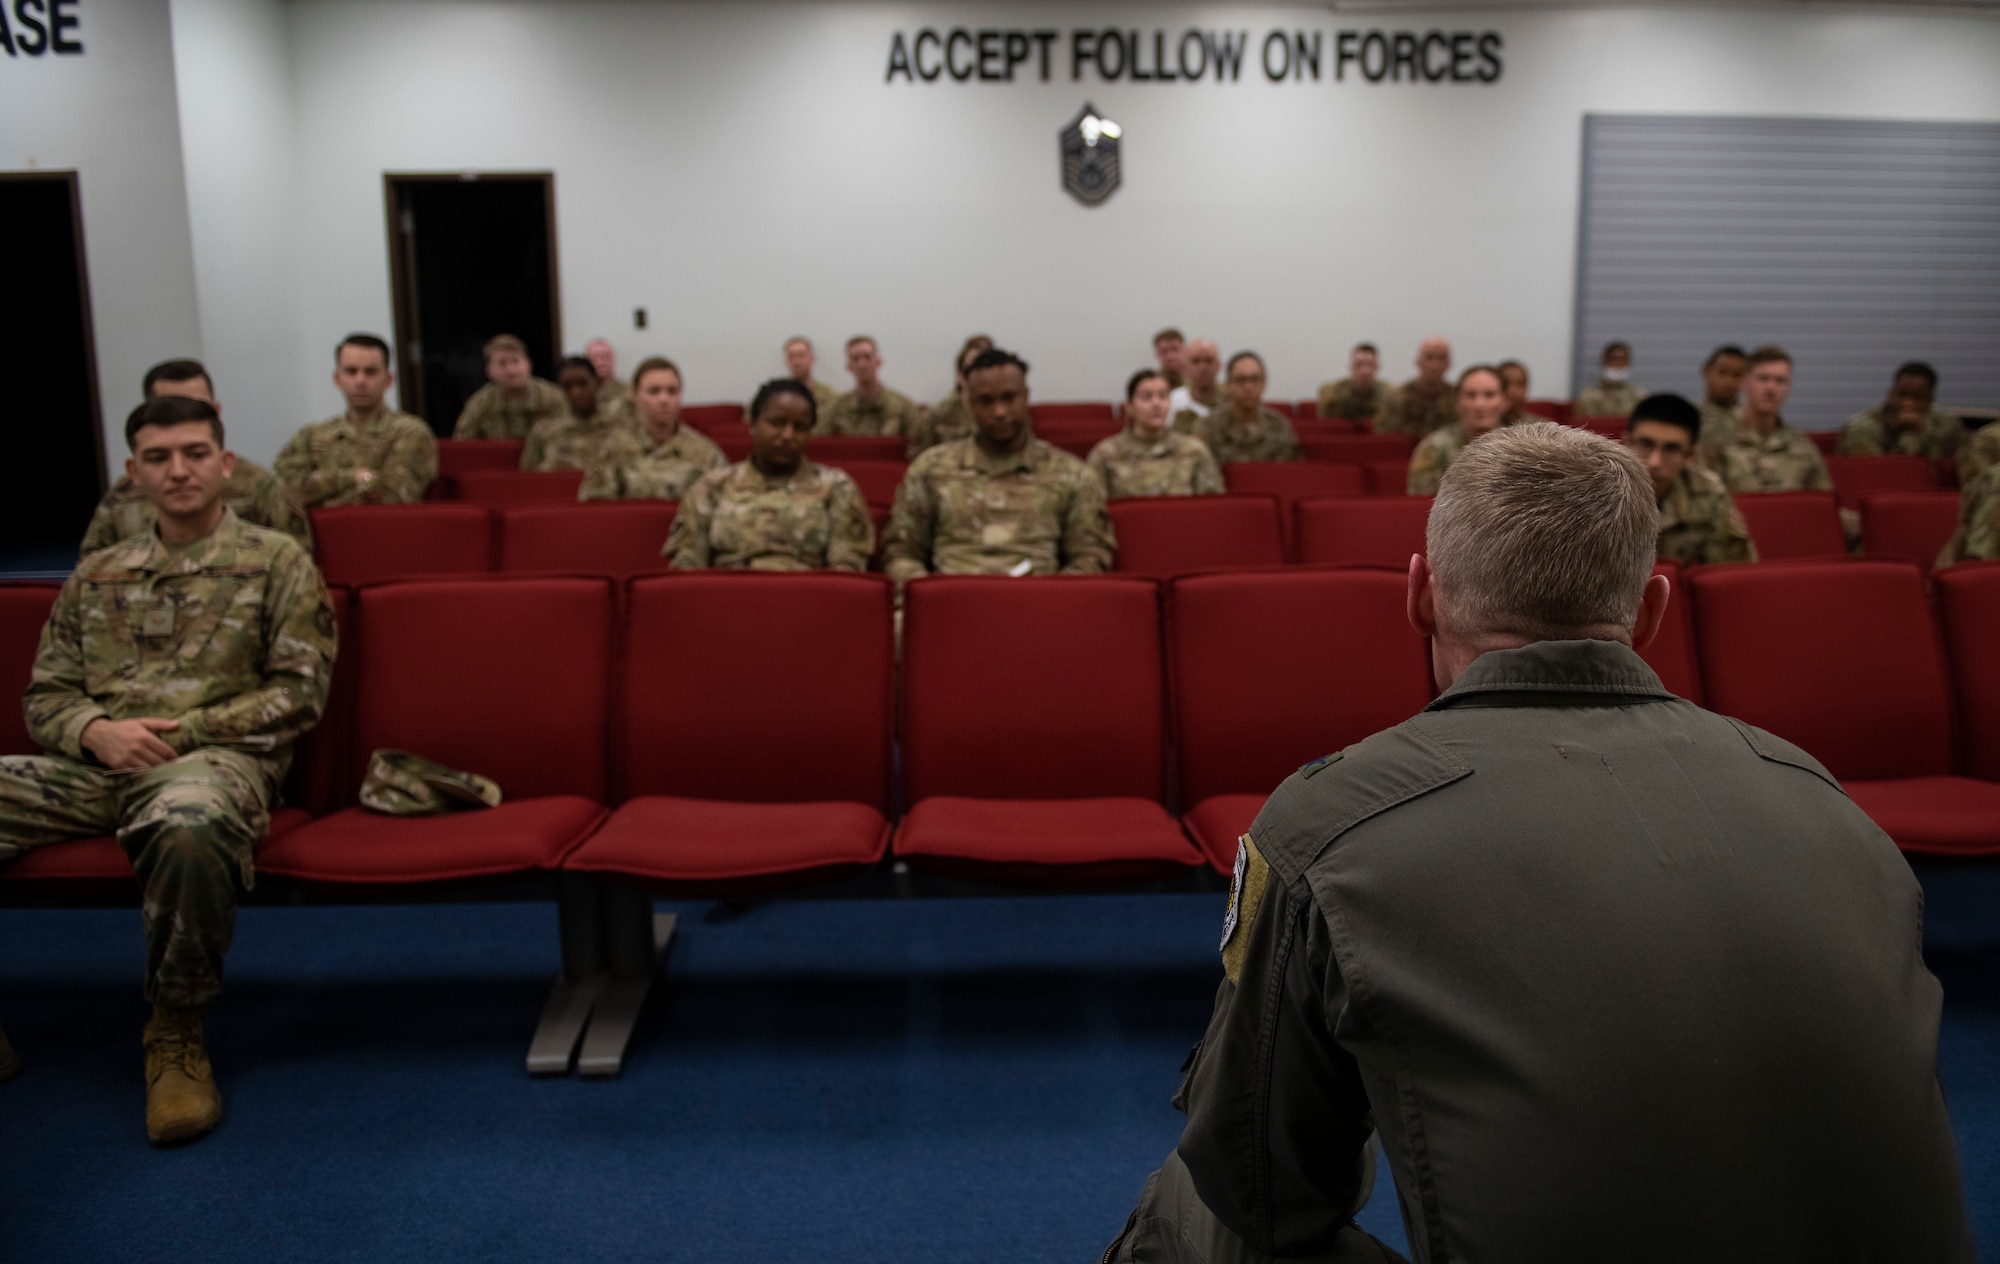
[(232, 62), (109, 115), (743, 172)]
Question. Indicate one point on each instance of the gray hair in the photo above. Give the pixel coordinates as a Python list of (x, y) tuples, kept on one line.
[(1541, 531)]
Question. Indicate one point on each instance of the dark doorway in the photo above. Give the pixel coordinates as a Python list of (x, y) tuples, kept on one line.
[(471, 256), (54, 434)]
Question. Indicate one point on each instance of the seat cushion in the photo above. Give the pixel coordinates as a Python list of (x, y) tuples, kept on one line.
[(1218, 821), (697, 840), (362, 846), (1043, 831), (1934, 816), (101, 859)]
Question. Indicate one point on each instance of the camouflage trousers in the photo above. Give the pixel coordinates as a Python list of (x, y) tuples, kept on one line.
[(188, 827)]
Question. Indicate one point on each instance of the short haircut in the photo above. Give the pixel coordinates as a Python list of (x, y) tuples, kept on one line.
[(1770, 353), (977, 342), (1540, 531), (1917, 368), (1132, 383), (505, 342), (867, 338), (656, 364), (171, 410), (798, 338), (1614, 345), (1670, 410), (1726, 349), (176, 371), (576, 362), (1369, 347), (785, 386), (1505, 365), (1230, 367), (1470, 369), (1169, 332), (996, 358), (368, 341)]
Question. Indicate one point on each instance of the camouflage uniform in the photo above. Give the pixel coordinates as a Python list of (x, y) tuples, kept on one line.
[(1432, 456), (613, 395), (1176, 465), (492, 413), (1783, 461), (1608, 399), (252, 491), (630, 466), (823, 398), (1414, 409), (1699, 521), (889, 413), (319, 462), (961, 511), (1345, 399), (946, 421), (569, 443), (1978, 534), (1868, 433), (233, 636), (1268, 438), (740, 518), (1717, 422)]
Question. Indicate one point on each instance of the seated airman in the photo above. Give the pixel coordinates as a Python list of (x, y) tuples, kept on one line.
[(870, 408), (512, 400), (949, 418), (1481, 400), (1242, 429), (1148, 458), (1907, 423), (1699, 521), (371, 454), (576, 440)]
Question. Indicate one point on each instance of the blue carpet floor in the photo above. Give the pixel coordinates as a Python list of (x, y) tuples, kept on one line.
[(861, 1080)]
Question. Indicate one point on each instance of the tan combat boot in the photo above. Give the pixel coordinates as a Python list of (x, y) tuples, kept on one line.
[(10, 1065), (182, 1101)]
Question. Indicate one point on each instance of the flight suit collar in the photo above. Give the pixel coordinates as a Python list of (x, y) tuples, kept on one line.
[(1555, 670), (217, 549)]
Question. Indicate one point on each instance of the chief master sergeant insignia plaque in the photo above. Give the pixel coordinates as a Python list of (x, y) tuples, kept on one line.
[(1090, 157)]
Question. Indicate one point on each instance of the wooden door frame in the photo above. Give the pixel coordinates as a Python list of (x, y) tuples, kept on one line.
[(89, 331), (403, 271)]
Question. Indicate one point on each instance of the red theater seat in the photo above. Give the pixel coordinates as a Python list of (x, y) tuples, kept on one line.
[(1792, 524), (1551, 409), (1825, 440), (24, 608), (1033, 730), (1292, 481), (507, 677), (750, 750), (462, 456), (1608, 427), (1856, 476), (842, 449), (498, 488), (1389, 478), (1308, 425), (1086, 413), (711, 418), (878, 480), (1273, 669), (1910, 525), (619, 538), (365, 544), (1845, 662), (1361, 530), (1165, 535), (1671, 654), (1969, 599), (1358, 449)]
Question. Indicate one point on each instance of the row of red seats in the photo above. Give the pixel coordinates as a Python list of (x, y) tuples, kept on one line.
[(679, 733), (1288, 519)]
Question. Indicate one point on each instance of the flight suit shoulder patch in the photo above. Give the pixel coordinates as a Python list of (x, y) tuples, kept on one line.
[(1246, 895), (1326, 798)]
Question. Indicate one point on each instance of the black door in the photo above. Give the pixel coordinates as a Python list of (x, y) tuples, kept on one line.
[(53, 434), (472, 256)]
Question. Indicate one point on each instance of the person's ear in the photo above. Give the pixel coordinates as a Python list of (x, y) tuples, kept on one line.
[(1653, 605), (1420, 601), (228, 465)]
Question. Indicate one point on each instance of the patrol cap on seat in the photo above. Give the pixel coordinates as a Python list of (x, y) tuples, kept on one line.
[(401, 784)]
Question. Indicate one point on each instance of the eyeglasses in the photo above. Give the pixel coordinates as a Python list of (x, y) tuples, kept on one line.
[(1646, 446)]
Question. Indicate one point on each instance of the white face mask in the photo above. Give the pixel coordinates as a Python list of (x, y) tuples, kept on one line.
[(1617, 375)]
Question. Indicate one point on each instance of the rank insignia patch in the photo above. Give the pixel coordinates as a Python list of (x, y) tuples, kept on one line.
[(1090, 157)]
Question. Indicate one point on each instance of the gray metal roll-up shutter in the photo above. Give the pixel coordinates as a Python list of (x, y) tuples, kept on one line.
[(1853, 244)]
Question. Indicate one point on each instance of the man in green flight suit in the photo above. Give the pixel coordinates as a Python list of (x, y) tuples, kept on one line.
[(174, 674), (1606, 974)]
